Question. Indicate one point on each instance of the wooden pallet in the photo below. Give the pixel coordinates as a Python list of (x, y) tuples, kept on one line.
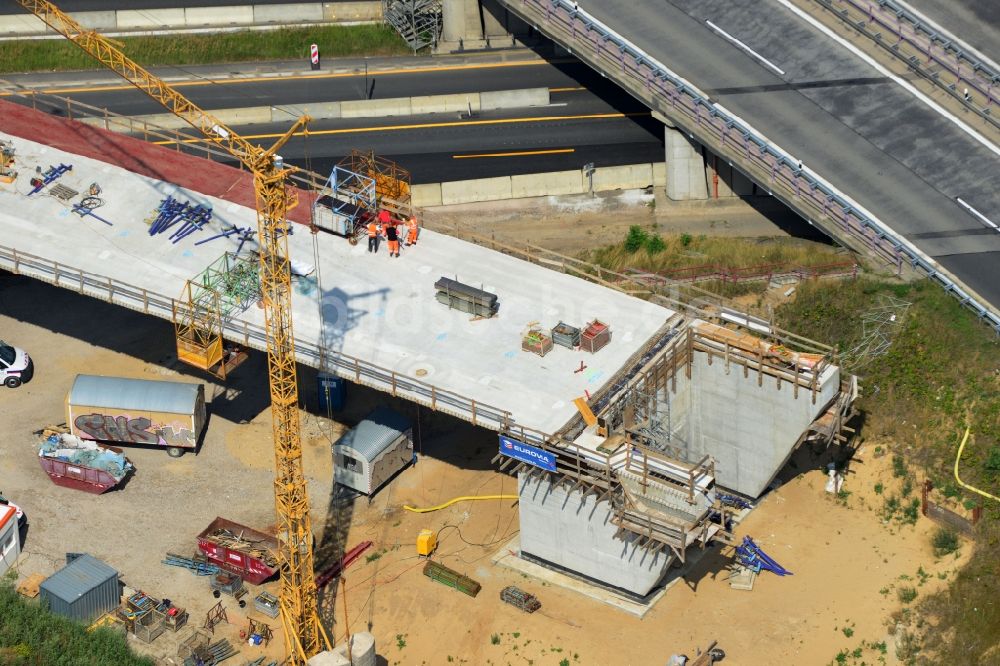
[(29, 586)]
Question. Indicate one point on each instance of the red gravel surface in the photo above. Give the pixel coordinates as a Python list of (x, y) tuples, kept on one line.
[(138, 156)]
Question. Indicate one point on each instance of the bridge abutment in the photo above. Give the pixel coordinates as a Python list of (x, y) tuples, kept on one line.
[(479, 24)]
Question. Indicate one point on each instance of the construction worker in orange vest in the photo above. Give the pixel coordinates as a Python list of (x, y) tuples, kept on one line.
[(411, 234), (373, 233)]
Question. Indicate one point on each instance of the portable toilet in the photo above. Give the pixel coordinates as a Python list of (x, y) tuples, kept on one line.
[(369, 454), (10, 538)]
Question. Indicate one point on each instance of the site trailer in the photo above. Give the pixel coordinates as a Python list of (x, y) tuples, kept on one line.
[(137, 411)]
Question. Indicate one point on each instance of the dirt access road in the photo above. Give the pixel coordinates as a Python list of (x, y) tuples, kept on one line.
[(847, 563)]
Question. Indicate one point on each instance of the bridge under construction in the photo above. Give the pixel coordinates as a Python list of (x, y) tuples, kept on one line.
[(619, 443)]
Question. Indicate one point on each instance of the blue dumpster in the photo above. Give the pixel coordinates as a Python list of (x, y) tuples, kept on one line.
[(331, 392)]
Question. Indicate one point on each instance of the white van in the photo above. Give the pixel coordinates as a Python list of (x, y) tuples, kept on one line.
[(15, 366)]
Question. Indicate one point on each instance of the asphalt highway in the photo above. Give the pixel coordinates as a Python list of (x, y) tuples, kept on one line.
[(436, 79), (589, 119), (861, 131), (443, 147)]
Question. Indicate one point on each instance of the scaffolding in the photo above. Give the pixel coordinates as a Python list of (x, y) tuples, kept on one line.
[(228, 286), (418, 22), (392, 182), (348, 199)]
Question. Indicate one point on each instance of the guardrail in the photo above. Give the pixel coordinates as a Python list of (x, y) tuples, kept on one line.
[(254, 336), (727, 275), (783, 175), (978, 80)]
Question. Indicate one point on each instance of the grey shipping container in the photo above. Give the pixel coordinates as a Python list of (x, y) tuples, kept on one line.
[(367, 456), (137, 411), (84, 589)]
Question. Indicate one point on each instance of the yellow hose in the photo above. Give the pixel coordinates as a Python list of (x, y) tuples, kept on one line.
[(467, 498), (963, 483)]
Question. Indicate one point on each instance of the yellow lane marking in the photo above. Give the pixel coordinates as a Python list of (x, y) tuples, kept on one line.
[(517, 154), (455, 123), (555, 90), (280, 79)]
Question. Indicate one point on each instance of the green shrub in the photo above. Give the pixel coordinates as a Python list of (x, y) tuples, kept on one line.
[(655, 244), (945, 541), (993, 459), (686, 239), (637, 237), (898, 466), (29, 634), (495, 639), (906, 594)]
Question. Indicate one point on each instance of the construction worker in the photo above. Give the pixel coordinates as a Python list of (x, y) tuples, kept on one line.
[(411, 233), (392, 235), (373, 234)]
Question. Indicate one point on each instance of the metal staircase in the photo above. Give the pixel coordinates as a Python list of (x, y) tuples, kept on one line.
[(418, 22)]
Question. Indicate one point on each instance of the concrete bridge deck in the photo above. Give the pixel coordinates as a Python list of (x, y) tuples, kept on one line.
[(371, 318)]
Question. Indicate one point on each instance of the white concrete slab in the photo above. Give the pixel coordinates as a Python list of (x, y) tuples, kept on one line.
[(377, 309)]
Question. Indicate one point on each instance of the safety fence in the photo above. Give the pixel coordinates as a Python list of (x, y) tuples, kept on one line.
[(728, 275), (925, 49), (783, 175)]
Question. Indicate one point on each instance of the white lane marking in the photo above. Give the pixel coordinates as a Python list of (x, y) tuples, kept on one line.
[(975, 212), (743, 46), (885, 72)]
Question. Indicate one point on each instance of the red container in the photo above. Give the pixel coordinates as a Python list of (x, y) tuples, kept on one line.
[(79, 477), (253, 567), (64, 472)]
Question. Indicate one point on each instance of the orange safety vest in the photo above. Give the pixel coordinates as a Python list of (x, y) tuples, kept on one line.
[(372, 230)]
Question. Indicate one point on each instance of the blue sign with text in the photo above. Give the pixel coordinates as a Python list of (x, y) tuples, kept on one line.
[(526, 453)]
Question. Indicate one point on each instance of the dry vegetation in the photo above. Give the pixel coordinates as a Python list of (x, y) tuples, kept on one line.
[(941, 374)]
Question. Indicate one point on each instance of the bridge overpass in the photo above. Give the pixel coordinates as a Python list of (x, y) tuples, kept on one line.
[(833, 135)]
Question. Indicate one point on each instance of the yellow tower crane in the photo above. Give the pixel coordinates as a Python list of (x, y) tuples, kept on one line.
[(304, 635)]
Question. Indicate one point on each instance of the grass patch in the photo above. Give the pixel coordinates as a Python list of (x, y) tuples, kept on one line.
[(945, 542), (938, 375), (335, 41), (30, 634), (644, 249)]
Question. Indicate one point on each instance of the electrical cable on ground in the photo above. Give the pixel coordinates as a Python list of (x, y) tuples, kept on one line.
[(465, 498), (958, 457)]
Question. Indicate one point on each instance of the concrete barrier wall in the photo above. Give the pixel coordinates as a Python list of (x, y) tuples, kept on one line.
[(626, 177), (542, 184), (428, 194), (299, 12), (344, 12), (504, 99), (360, 11), (481, 189), (366, 108), (210, 16), (150, 19), (623, 177)]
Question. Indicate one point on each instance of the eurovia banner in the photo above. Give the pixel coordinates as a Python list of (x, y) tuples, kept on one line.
[(526, 453)]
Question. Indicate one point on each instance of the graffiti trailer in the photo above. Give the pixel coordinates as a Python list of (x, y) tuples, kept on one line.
[(137, 411)]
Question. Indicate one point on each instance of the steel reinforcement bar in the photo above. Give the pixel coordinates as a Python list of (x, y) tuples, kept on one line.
[(253, 336), (920, 45), (711, 124)]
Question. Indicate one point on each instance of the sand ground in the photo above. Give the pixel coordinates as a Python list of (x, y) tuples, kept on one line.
[(847, 563)]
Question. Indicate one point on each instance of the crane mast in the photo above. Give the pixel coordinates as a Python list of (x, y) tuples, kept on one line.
[(304, 634)]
